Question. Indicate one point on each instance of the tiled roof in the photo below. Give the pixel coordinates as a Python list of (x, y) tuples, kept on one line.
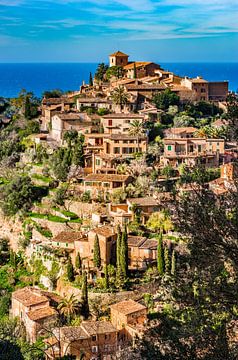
[(73, 333), (98, 327), (69, 116), (125, 137), (146, 87), (105, 230), (42, 313), (149, 244), (145, 201), (199, 80), (124, 116), (68, 236), (118, 53), (135, 241), (56, 101), (106, 177), (28, 297), (138, 64), (127, 307), (93, 100)]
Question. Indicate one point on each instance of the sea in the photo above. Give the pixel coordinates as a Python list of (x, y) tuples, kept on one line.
[(38, 77)]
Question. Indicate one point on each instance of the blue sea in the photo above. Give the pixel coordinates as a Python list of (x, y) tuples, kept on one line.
[(69, 76)]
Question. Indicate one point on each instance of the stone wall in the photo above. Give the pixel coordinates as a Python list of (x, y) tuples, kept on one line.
[(11, 229)]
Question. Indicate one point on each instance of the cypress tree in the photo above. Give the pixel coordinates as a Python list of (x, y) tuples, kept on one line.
[(70, 271), (78, 262), (106, 277), (118, 249), (160, 263), (124, 254), (173, 264), (96, 253), (84, 296), (166, 259), (90, 79), (27, 108), (135, 73)]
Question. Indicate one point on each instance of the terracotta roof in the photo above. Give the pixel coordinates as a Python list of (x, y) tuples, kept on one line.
[(198, 80), (93, 100), (98, 327), (145, 201), (149, 244), (119, 53), (73, 333), (106, 177), (42, 313), (125, 137), (56, 101), (28, 297), (135, 241), (69, 116), (180, 130), (105, 230), (138, 64), (127, 307), (146, 87), (124, 116), (68, 236)]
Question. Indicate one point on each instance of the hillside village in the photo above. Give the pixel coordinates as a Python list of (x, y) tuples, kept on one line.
[(114, 200)]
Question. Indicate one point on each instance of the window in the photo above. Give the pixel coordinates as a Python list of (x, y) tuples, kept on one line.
[(67, 244), (98, 162), (116, 150), (109, 122), (107, 336), (57, 244), (94, 349), (203, 90), (94, 337), (169, 147), (218, 144)]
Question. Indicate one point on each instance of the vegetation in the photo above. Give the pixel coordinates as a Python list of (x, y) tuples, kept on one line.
[(165, 99), (96, 253)]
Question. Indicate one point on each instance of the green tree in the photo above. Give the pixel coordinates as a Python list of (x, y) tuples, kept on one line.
[(106, 277), (118, 251), (101, 72), (232, 116), (165, 98), (96, 253), (124, 253), (114, 71), (84, 296), (78, 262), (69, 307), (53, 274), (137, 129), (173, 263), (166, 260), (135, 72), (159, 221), (56, 93), (120, 96), (18, 195), (70, 271), (160, 262), (90, 79)]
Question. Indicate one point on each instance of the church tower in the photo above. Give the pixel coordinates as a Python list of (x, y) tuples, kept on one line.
[(118, 59)]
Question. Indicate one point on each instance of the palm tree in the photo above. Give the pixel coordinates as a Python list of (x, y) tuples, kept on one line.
[(137, 129), (120, 96), (68, 307)]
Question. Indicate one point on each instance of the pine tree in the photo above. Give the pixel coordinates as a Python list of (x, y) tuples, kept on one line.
[(70, 271), (173, 264), (96, 253), (160, 263), (106, 277), (166, 259), (124, 254), (84, 296), (90, 79), (78, 262)]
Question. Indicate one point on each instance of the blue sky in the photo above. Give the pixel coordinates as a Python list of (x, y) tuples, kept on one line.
[(87, 31)]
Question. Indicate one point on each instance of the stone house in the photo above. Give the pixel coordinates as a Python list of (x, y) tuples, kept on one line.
[(181, 132), (191, 151), (141, 252), (63, 122), (199, 86), (50, 106), (118, 59), (143, 68), (124, 145), (107, 237), (33, 309), (100, 184), (94, 102), (129, 318), (119, 123)]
